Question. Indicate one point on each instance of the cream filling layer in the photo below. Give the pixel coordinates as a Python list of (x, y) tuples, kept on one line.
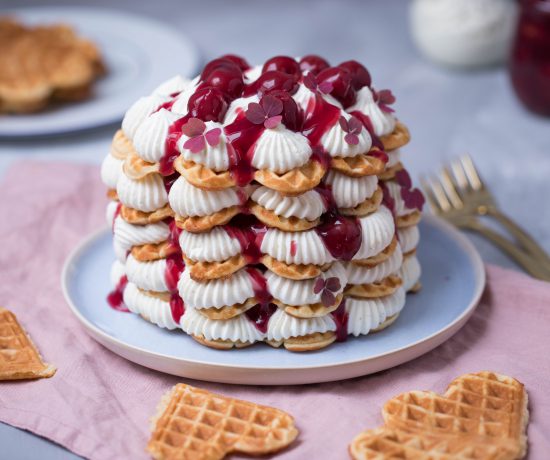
[(364, 315)]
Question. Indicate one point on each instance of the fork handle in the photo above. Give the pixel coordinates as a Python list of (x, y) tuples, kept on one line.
[(531, 265), (522, 237)]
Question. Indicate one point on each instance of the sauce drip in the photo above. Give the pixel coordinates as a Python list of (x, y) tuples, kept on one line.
[(115, 298), (166, 163), (241, 136), (259, 285), (177, 307), (249, 232), (340, 316), (174, 269), (116, 214), (319, 118), (260, 315)]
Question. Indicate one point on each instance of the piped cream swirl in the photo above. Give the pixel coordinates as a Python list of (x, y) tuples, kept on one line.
[(308, 205), (150, 136), (382, 122), (187, 200), (147, 194), (280, 150), (348, 191)]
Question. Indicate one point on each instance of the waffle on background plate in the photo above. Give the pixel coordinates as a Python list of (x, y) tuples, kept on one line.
[(40, 65)]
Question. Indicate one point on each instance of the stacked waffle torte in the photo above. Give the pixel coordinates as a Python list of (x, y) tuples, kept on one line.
[(265, 204)]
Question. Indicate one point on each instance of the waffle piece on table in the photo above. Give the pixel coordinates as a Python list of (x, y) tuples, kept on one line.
[(192, 423), (480, 416), (43, 64), (19, 358)]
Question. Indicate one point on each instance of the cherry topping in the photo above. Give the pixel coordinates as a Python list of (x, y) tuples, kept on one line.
[(360, 76), (340, 80), (208, 104), (283, 64), (227, 81), (272, 81), (240, 61), (313, 63), (220, 63), (341, 235), (292, 116)]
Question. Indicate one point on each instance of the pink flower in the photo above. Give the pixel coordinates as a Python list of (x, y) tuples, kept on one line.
[(327, 288), (311, 83), (384, 98), (267, 112), (195, 129), (352, 127)]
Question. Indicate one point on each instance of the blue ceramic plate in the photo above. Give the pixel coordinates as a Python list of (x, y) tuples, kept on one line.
[(453, 280), (139, 54)]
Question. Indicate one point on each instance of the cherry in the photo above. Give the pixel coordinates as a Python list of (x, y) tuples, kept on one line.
[(292, 116), (283, 64), (208, 104), (220, 63), (340, 79), (227, 81), (240, 61), (272, 80), (360, 76), (313, 63)]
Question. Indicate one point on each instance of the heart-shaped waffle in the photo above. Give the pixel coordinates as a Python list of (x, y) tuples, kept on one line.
[(480, 416), (195, 424)]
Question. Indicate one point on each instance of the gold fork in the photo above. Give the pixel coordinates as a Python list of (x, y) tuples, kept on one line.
[(459, 196)]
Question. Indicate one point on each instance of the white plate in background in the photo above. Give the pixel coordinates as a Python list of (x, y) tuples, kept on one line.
[(139, 53)]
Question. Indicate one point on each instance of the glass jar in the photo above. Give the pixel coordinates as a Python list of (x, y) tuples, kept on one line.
[(530, 60)]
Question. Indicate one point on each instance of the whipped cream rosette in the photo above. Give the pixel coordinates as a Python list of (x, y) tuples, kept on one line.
[(263, 204)]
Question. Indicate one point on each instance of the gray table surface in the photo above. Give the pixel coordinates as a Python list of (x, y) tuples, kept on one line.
[(448, 112)]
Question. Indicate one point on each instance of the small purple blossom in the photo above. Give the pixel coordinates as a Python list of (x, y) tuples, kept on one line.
[(195, 129), (352, 127), (268, 112), (328, 288)]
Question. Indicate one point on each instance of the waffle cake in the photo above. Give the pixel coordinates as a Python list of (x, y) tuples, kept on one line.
[(263, 204), (44, 64), (481, 416)]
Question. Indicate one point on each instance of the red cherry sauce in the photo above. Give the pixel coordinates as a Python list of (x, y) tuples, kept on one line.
[(293, 248), (259, 285), (249, 232), (340, 317), (116, 296), (376, 142), (115, 215), (320, 116), (177, 307), (241, 136), (172, 273), (168, 104), (260, 315), (341, 235), (166, 164)]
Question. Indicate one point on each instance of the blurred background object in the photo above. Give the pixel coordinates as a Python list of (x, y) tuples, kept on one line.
[(530, 60), (463, 33)]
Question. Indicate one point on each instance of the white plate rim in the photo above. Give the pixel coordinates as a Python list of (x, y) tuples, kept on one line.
[(430, 342), (191, 51)]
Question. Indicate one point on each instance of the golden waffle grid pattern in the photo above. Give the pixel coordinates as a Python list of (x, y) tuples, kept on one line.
[(19, 358), (481, 416), (195, 424)]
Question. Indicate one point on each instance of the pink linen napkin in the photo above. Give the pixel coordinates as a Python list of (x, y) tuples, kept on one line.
[(98, 404)]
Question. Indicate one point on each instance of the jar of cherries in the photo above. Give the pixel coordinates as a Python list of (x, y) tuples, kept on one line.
[(530, 59)]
